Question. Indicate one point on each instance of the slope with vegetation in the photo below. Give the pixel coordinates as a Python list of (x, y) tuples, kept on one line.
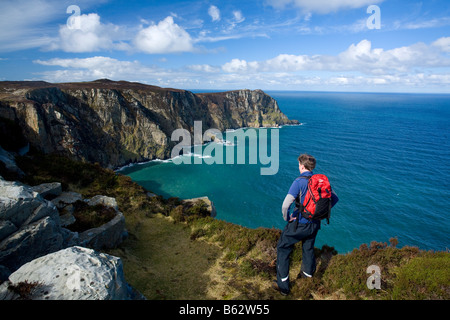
[(176, 251)]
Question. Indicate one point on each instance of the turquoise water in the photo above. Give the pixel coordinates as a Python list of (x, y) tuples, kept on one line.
[(386, 155)]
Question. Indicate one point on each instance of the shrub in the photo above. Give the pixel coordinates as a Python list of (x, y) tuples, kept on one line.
[(24, 289), (177, 213), (88, 217), (426, 277), (199, 208)]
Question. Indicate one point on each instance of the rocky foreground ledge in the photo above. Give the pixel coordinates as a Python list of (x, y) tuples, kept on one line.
[(44, 259), (74, 273)]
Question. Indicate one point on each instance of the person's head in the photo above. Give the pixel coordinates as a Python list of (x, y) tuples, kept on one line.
[(306, 162)]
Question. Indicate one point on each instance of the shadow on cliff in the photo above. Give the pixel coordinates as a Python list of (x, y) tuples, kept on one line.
[(151, 185)]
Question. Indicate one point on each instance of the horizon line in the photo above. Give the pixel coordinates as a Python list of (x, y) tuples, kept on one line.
[(200, 90)]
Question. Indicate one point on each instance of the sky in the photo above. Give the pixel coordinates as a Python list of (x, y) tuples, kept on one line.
[(302, 45)]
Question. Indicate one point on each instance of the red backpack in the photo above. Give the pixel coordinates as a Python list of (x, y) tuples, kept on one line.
[(317, 202)]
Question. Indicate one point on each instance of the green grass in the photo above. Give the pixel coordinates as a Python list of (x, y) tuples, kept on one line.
[(426, 277), (162, 263)]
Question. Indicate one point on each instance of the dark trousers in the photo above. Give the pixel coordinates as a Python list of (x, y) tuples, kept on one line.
[(293, 233)]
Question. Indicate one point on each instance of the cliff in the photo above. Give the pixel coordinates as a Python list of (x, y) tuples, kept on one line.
[(115, 122)]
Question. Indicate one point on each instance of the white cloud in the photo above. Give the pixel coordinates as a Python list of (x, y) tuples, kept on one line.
[(88, 35), (87, 69), (26, 24), (238, 17), (92, 35), (421, 82), (214, 12), (415, 68), (359, 57), (78, 69), (235, 65), (38, 25), (322, 6), (443, 44), (23, 25), (204, 68), (165, 37), (204, 38), (419, 23), (85, 63)]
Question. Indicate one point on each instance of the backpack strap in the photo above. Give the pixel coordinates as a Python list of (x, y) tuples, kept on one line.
[(297, 200)]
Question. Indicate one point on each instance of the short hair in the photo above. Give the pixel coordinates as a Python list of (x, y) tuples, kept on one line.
[(308, 161)]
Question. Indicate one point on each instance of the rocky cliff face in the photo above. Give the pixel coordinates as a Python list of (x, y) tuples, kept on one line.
[(113, 123)]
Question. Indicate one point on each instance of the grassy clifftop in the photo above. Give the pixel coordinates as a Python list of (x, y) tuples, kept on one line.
[(178, 252)]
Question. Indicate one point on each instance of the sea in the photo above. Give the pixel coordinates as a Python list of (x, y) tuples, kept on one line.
[(387, 156)]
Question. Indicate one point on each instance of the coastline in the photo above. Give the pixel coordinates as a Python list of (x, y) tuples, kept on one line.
[(222, 141)]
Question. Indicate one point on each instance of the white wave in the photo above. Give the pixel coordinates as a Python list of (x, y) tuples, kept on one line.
[(225, 142), (195, 155), (132, 164), (163, 160), (273, 127)]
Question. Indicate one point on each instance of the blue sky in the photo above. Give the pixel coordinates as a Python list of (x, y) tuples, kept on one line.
[(307, 45)]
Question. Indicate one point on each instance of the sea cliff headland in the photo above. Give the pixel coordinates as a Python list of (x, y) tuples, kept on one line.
[(117, 122)]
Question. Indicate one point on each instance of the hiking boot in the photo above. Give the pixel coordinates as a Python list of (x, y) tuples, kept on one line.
[(275, 287), (303, 274)]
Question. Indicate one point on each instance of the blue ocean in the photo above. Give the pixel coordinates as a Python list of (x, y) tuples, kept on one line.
[(387, 157)]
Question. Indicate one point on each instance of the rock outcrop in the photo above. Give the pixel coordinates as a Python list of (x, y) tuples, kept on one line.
[(108, 235), (74, 273), (36, 250), (113, 123), (8, 160), (209, 204), (31, 226)]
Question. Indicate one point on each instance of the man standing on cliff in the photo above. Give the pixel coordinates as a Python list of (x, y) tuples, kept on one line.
[(298, 228)]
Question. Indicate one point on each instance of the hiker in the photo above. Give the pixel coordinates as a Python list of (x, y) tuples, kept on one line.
[(299, 227)]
